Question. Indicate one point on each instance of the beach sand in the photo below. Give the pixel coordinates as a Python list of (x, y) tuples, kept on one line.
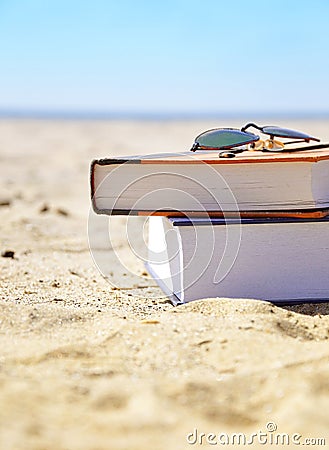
[(85, 365)]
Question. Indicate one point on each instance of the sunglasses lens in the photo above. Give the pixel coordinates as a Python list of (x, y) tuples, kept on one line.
[(224, 138), (285, 133)]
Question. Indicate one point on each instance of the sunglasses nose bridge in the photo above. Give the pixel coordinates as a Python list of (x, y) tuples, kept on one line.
[(251, 125)]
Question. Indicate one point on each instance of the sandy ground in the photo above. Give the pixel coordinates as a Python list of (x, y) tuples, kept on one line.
[(84, 365)]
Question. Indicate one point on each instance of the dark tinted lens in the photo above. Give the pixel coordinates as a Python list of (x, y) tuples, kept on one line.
[(285, 133), (223, 138)]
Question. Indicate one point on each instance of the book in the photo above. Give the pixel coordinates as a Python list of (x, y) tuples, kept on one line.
[(202, 184), (280, 260)]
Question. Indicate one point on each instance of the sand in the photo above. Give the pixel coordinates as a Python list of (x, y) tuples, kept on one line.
[(84, 365)]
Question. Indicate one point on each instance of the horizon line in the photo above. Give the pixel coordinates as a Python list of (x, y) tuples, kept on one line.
[(85, 114)]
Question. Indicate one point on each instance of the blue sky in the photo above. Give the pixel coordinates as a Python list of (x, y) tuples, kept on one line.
[(173, 56)]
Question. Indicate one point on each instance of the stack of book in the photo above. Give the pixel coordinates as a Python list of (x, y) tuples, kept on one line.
[(254, 226)]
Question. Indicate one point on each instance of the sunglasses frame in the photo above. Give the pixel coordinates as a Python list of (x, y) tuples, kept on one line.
[(267, 148)]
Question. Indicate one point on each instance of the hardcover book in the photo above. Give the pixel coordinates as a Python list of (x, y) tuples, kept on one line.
[(251, 184), (280, 260)]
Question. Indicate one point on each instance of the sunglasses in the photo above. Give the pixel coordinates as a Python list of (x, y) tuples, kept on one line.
[(229, 138)]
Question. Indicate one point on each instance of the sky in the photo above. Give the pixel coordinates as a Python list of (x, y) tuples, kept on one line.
[(165, 57)]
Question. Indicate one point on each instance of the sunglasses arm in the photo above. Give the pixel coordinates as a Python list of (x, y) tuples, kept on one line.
[(195, 147), (308, 147), (232, 153), (302, 140)]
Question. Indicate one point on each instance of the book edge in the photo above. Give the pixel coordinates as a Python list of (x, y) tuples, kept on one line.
[(307, 214), (172, 297), (105, 162), (186, 222), (161, 159)]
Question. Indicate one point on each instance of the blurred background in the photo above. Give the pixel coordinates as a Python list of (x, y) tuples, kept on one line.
[(80, 368), (178, 58)]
